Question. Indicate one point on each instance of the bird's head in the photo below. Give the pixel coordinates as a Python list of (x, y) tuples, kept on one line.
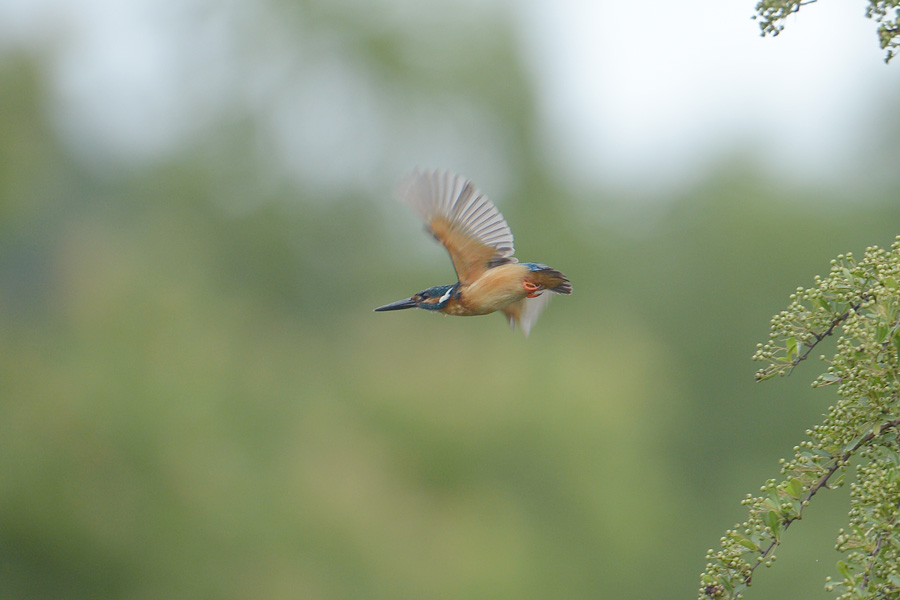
[(434, 298)]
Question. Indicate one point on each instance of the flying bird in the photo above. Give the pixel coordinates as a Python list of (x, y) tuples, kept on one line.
[(480, 244)]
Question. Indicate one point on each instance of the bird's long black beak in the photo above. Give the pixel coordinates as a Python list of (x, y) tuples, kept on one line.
[(398, 305)]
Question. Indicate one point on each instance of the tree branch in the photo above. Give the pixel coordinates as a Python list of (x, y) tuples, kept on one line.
[(839, 461), (821, 336)]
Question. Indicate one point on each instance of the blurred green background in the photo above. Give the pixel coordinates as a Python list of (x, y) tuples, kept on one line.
[(197, 401)]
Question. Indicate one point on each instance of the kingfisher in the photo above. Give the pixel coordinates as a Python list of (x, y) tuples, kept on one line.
[(480, 244)]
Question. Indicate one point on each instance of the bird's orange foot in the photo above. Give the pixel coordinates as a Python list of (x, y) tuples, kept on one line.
[(533, 289)]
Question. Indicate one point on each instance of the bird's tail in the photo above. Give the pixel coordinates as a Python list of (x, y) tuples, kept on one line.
[(525, 312), (548, 278)]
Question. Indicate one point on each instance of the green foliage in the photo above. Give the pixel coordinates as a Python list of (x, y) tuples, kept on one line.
[(772, 13), (887, 14), (859, 298)]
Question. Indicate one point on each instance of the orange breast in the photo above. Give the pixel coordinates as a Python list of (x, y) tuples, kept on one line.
[(497, 288)]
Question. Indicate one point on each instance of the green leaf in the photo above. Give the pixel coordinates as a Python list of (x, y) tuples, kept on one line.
[(747, 544), (774, 522), (852, 444), (794, 488), (844, 570), (838, 481), (776, 498), (792, 348), (829, 378)]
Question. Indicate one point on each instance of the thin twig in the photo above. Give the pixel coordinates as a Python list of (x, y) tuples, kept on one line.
[(821, 336)]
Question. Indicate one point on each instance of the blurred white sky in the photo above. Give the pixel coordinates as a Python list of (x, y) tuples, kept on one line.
[(653, 90), (634, 94)]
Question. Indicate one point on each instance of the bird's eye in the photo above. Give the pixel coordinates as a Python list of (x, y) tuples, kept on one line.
[(424, 295)]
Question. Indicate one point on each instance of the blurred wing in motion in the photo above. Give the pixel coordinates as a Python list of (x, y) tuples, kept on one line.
[(461, 218)]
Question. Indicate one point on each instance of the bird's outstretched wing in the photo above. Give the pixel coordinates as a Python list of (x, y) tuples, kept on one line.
[(461, 218)]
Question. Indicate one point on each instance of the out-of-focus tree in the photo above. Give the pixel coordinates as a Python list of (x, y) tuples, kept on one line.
[(773, 13)]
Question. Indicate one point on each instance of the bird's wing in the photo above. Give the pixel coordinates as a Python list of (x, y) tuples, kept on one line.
[(460, 217)]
